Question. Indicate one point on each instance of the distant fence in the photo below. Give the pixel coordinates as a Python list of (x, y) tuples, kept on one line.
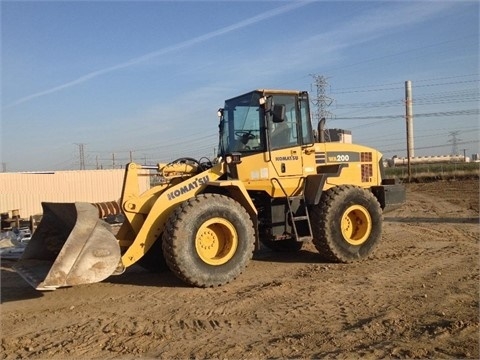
[(24, 192)]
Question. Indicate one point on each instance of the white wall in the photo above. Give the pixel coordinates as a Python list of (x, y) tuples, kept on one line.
[(26, 191)]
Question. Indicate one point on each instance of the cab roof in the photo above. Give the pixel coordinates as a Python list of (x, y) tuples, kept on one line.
[(279, 91), (271, 91)]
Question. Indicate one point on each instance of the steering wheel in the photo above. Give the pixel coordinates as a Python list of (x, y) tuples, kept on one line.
[(245, 134)]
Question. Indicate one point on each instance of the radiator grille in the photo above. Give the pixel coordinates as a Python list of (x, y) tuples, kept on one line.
[(366, 157), (367, 172)]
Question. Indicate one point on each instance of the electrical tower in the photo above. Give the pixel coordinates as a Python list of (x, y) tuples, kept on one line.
[(81, 150), (322, 102), (454, 140)]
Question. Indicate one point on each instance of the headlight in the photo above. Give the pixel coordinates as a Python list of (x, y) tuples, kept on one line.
[(234, 158)]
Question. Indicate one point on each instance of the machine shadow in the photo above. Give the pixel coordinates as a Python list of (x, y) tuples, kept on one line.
[(301, 256), (136, 275), (13, 287)]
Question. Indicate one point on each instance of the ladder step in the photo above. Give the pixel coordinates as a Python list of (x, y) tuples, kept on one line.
[(304, 238), (300, 203), (295, 197), (299, 218)]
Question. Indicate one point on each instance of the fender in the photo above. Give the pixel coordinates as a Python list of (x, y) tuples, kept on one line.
[(237, 191), (315, 183), (161, 209)]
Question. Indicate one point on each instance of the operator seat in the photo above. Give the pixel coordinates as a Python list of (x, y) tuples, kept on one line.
[(281, 134)]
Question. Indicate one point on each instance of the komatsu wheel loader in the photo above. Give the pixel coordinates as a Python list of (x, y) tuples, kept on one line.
[(272, 183)]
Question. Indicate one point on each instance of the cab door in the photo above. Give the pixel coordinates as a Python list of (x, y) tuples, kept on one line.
[(287, 161), (288, 139), (285, 142)]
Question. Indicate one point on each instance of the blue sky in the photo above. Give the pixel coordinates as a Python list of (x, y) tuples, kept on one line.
[(145, 78)]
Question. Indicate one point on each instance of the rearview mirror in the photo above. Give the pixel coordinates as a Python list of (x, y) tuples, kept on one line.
[(278, 113)]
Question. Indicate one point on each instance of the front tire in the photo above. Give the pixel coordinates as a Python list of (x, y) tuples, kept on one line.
[(346, 224), (209, 240)]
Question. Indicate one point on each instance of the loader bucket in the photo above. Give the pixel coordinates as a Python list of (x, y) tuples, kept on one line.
[(70, 246)]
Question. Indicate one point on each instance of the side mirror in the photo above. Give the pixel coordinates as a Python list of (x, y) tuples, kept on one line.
[(278, 113)]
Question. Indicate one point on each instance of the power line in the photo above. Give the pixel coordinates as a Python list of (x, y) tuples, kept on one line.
[(395, 137), (452, 97), (399, 85), (456, 42), (432, 114), (433, 146), (175, 143), (447, 77)]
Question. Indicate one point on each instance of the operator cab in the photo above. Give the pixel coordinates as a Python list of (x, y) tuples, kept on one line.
[(264, 120)]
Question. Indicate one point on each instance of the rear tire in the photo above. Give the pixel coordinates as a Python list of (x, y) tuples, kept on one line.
[(346, 224), (208, 240)]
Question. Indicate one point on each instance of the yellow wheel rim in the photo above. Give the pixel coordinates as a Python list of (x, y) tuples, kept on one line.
[(356, 225), (216, 241)]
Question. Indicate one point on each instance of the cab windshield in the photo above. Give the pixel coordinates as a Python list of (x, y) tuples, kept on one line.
[(242, 129)]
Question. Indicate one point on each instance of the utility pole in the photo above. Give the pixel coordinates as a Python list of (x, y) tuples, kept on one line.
[(409, 125), (409, 118), (322, 102)]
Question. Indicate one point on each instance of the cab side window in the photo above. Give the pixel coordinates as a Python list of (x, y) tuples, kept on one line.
[(306, 126), (284, 134)]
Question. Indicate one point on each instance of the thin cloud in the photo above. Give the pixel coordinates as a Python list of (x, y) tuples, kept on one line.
[(166, 50)]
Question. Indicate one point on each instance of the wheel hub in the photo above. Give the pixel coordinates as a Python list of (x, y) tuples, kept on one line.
[(216, 241), (356, 225)]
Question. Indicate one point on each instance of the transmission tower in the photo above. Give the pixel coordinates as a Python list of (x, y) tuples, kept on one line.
[(81, 150), (322, 102), (454, 140)]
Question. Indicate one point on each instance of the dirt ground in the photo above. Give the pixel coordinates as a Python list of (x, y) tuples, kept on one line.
[(417, 297)]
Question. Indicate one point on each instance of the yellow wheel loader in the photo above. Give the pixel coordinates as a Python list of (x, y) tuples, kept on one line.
[(274, 182)]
